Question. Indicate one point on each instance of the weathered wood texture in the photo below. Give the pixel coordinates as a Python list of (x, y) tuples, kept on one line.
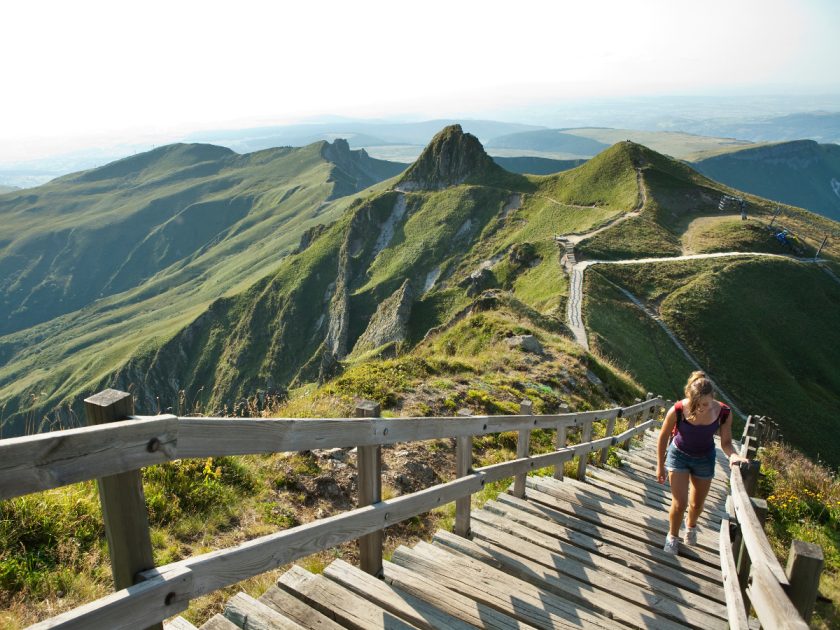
[(49, 460), (135, 607), (370, 491), (44, 461), (734, 600), (249, 614), (772, 606), (752, 530), (583, 457), (283, 601), (463, 467), (122, 499), (523, 448), (804, 567)]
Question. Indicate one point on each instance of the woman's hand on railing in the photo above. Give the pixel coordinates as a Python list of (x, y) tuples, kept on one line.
[(736, 460)]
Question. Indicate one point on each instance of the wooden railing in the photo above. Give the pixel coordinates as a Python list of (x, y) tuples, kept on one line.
[(118, 445), (781, 597)]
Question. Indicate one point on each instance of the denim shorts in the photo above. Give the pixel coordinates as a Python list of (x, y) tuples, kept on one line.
[(702, 467)]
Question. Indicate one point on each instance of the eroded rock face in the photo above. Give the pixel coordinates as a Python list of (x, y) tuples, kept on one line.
[(389, 323), (451, 158)]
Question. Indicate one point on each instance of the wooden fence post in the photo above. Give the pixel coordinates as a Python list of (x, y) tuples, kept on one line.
[(608, 431), (631, 423), (583, 458), (463, 467), (804, 567), (369, 464), (523, 449), (122, 499), (560, 442)]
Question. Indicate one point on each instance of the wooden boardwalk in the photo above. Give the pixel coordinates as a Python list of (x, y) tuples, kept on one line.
[(568, 555)]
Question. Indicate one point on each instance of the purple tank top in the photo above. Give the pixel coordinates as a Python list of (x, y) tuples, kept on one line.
[(696, 440)]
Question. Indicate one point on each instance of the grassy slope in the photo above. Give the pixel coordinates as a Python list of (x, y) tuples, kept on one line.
[(55, 361), (766, 329)]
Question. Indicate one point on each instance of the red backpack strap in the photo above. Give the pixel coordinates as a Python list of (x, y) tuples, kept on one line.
[(724, 413), (678, 407)]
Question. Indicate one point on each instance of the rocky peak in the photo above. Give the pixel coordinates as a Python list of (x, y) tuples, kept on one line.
[(451, 158)]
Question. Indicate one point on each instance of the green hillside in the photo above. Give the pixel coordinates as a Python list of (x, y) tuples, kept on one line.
[(152, 240), (801, 173)]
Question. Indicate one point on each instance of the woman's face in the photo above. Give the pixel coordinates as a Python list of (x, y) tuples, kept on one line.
[(705, 403)]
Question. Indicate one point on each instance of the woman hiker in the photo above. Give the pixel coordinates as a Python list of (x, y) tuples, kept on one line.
[(690, 457)]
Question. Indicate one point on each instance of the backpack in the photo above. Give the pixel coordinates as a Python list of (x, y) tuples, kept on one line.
[(678, 407)]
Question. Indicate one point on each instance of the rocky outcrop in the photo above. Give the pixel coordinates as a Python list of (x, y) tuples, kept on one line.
[(389, 323), (451, 158)]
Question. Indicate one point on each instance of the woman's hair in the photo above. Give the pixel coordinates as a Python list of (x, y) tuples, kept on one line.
[(698, 385)]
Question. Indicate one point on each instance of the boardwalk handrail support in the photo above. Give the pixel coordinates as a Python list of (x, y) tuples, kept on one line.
[(39, 462), (752, 574)]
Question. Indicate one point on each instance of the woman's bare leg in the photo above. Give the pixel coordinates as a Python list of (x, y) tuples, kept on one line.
[(679, 499), (697, 497)]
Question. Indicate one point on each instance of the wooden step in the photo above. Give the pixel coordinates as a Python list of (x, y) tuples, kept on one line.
[(179, 623), (339, 604), (402, 604), (286, 603), (219, 622), (598, 514), (624, 602), (630, 478), (596, 570), (492, 587), (687, 568), (633, 514), (250, 614)]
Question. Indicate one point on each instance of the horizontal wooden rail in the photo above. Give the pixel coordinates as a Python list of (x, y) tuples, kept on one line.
[(50, 460), (772, 605), (752, 531), (218, 569), (735, 607)]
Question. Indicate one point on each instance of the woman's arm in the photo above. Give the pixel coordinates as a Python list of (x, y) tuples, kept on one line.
[(726, 443), (662, 444)]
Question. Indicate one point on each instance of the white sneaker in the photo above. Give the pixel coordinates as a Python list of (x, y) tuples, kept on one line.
[(672, 545), (690, 537)]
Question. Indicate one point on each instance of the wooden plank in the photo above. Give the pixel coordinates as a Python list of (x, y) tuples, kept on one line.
[(734, 602), (369, 481), (412, 609), (631, 479), (249, 614), (584, 584), (213, 437), (600, 568), (219, 622), (179, 623), (523, 448), (653, 511), (473, 612), (752, 531), (492, 587), (284, 602), (620, 519), (687, 568), (604, 555), (49, 460), (559, 443), (137, 606), (337, 603), (771, 604)]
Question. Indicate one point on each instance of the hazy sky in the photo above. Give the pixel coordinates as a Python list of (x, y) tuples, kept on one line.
[(91, 72)]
